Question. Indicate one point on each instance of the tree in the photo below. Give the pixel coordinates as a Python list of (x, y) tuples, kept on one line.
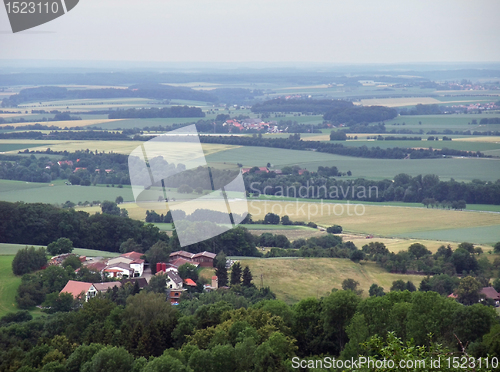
[(55, 302), (285, 220), (376, 291), (109, 207), (335, 229), (130, 246), (468, 291), (236, 274), (184, 189), (221, 272), (159, 252), (418, 250), (351, 285), (398, 285), (497, 247), (247, 277), (357, 255), (271, 219), (72, 261), (188, 271), (157, 284), (410, 286), (110, 359), (60, 246), (119, 200), (27, 260)]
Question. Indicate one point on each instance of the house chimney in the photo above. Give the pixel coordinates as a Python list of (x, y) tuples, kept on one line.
[(215, 282)]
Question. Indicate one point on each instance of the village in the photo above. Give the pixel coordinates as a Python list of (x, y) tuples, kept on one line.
[(131, 268)]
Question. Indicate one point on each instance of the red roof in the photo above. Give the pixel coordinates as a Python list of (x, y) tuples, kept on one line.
[(181, 261), (490, 292), (182, 254), (190, 282), (76, 288), (132, 255)]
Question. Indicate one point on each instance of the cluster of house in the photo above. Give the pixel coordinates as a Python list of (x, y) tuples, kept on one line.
[(267, 170), (70, 163), (129, 267), (477, 106), (486, 293), (257, 124)]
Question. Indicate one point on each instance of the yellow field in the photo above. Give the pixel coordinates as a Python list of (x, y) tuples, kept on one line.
[(62, 124), (400, 244), (320, 137), (492, 139), (121, 147), (395, 102), (293, 279), (377, 220)]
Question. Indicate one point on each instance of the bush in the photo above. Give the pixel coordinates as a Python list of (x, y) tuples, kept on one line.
[(28, 260), (60, 246), (335, 229)]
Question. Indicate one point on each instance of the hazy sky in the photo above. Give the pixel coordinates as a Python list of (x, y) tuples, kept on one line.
[(332, 31)]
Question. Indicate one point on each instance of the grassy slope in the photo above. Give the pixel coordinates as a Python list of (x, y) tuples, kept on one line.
[(295, 279), (8, 286)]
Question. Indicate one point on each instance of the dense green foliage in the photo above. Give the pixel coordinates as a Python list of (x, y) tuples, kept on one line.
[(28, 260), (165, 112), (48, 223)]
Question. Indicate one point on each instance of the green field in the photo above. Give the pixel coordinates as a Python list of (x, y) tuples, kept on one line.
[(59, 193), (489, 148), (8, 286), (11, 249), (4, 147), (293, 279), (480, 234), (459, 169), (440, 123)]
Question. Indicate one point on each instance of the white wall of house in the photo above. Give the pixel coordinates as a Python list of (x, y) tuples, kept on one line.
[(138, 268)]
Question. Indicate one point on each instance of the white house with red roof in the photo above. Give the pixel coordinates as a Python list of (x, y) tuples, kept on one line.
[(77, 289)]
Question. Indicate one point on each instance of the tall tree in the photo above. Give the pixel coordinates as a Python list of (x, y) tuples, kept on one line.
[(247, 277), (159, 252), (236, 274), (221, 272)]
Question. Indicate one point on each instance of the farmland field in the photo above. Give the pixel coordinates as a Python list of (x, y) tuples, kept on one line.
[(459, 169), (11, 250), (8, 286), (286, 277), (65, 123), (385, 221), (6, 147)]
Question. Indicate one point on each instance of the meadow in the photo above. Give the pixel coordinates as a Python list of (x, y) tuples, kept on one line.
[(293, 279), (465, 169), (379, 220)]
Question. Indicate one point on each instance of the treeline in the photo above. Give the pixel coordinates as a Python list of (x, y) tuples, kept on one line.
[(403, 188), (165, 112), (152, 91), (489, 121), (465, 260), (421, 109), (334, 111), (313, 106), (68, 135), (339, 149), (360, 114), (41, 224)]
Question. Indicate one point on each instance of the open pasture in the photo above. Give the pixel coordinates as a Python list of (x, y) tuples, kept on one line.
[(285, 276), (380, 220), (8, 286), (460, 169), (65, 123)]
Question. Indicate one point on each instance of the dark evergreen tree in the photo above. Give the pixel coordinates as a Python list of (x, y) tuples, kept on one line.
[(236, 274), (247, 277)]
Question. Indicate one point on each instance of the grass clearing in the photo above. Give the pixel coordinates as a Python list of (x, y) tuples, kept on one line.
[(397, 102), (286, 277), (65, 123), (7, 249), (8, 286)]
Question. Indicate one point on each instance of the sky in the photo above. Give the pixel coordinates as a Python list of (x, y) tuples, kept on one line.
[(324, 31)]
